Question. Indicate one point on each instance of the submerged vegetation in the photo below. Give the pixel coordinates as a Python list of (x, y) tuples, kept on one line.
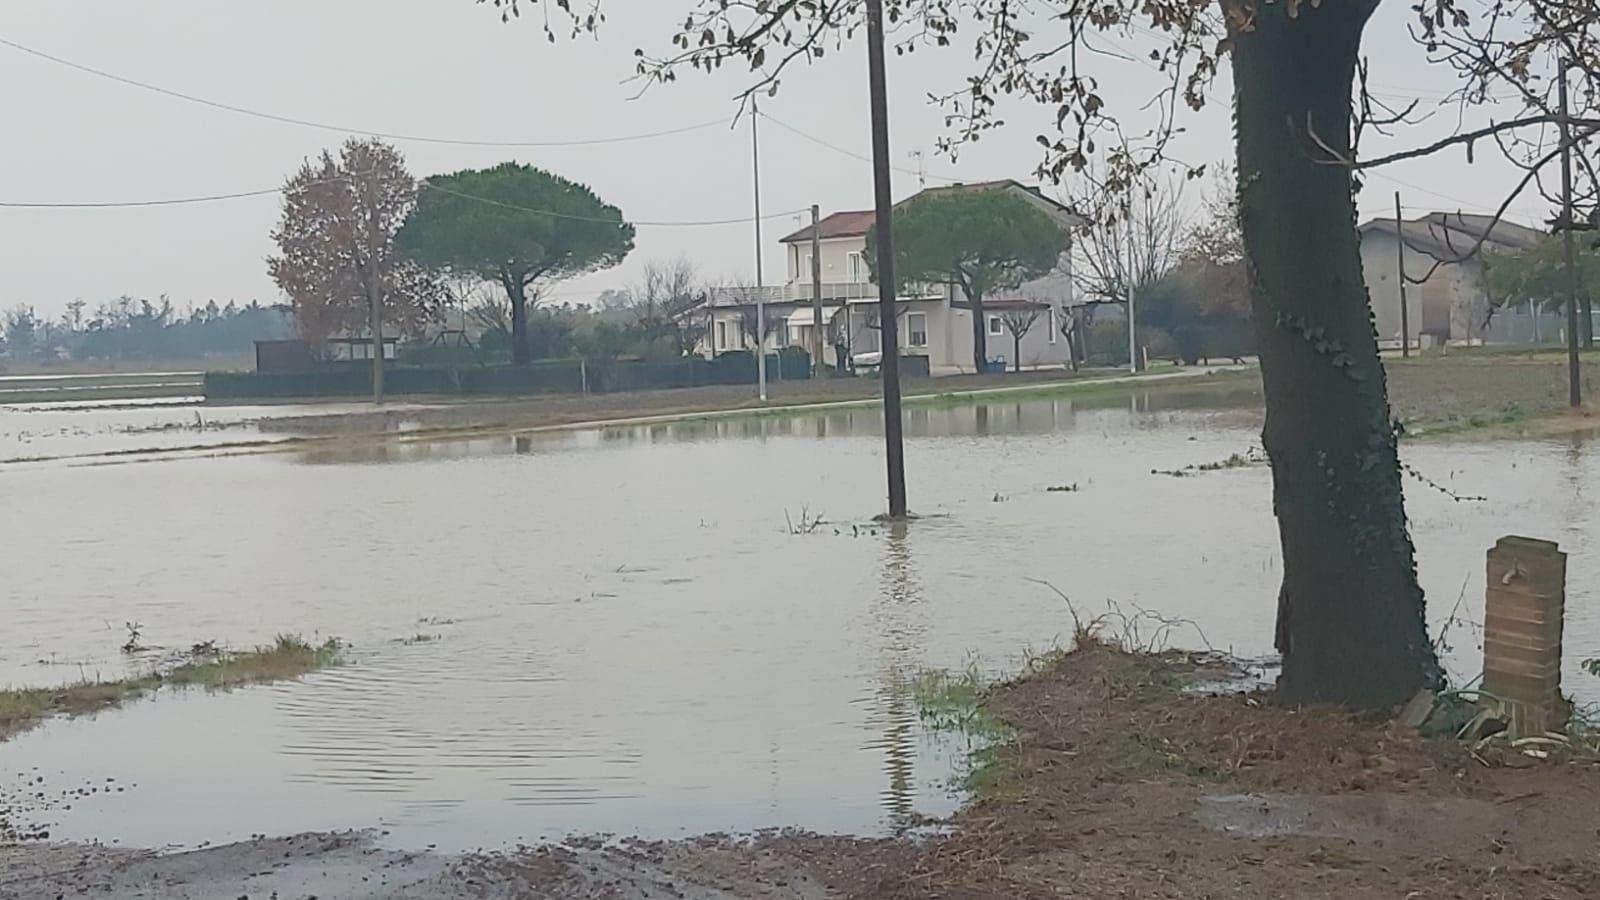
[(203, 666), (1251, 457)]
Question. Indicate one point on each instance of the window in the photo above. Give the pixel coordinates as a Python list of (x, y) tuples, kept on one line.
[(1051, 321), (805, 273), (855, 268), (917, 329), (722, 335), (995, 327)]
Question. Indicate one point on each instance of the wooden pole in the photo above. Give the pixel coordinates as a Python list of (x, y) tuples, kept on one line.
[(1574, 387), (816, 292), (1400, 257), (761, 309), (894, 444)]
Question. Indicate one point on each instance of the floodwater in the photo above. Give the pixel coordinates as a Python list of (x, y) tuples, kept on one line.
[(622, 635)]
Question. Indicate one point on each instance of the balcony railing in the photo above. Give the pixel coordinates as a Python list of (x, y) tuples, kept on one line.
[(800, 292)]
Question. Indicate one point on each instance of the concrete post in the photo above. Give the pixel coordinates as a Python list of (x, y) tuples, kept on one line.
[(1523, 612)]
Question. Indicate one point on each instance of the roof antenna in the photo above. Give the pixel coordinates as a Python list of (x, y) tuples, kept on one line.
[(922, 167)]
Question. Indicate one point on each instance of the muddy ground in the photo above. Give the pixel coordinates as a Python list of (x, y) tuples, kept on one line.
[(1117, 782)]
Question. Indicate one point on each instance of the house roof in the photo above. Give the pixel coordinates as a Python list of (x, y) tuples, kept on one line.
[(856, 223), (852, 223), (1448, 236), (1037, 196)]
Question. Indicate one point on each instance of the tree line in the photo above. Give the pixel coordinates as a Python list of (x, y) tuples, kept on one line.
[(135, 328)]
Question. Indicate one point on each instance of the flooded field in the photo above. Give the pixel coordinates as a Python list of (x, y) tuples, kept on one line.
[(620, 631)]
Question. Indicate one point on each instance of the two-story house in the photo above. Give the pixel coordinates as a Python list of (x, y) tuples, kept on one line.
[(934, 320)]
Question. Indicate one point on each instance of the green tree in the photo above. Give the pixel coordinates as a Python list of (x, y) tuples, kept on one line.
[(982, 241), (517, 226), (1539, 275), (22, 329)]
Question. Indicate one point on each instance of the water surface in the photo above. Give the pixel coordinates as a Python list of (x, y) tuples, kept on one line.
[(621, 633)]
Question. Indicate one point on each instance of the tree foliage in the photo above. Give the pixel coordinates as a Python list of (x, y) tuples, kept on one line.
[(336, 242), (517, 226), (137, 328), (982, 241), (1539, 274)]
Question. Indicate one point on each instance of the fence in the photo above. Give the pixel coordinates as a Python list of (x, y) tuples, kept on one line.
[(1520, 325), (566, 376)]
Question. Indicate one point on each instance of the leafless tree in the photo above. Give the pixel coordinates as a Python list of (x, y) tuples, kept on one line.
[(746, 297), (1019, 321), (667, 302), (1132, 240)]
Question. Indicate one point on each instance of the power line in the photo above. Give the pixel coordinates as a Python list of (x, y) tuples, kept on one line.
[(173, 201), (424, 183), (128, 204), (745, 220), (309, 123), (851, 153)]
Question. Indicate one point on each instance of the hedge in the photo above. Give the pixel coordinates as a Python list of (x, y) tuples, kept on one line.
[(565, 376)]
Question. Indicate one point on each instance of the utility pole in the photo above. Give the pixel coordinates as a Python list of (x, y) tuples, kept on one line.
[(1133, 339), (816, 291), (1400, 271), (889, 331), (1574, 387), (922, 167), (761, 284)]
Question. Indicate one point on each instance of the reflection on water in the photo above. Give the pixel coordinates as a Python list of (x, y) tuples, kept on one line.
[(629, 639), (897, 611)]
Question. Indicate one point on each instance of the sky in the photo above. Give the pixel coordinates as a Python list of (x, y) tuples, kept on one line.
[(452, 69)]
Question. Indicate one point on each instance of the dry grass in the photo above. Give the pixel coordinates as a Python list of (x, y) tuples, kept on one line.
[(204, 667)]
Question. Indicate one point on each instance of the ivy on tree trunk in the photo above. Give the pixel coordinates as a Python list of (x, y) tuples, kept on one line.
[(1350, 611)]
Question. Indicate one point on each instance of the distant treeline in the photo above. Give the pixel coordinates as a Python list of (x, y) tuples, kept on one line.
[(131, 328)]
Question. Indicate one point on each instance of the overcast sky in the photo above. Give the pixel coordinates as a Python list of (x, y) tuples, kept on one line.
[(450, 68)]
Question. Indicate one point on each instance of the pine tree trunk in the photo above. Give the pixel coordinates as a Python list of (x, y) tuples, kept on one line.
[(1350, 611), (980, 333), (517, 293)]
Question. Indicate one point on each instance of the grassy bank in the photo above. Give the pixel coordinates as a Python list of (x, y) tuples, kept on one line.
[(1490, 393), (203, 666)]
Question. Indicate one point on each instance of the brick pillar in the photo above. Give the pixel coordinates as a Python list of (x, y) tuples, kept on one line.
[(1523, 610)]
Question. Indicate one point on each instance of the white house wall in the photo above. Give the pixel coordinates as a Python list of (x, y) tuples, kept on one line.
[(835, 260), (1454, 293)]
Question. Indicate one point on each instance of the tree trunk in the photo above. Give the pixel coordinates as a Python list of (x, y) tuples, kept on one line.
[(1016, 353), (980, 332), (1070, 333), (1350, 611), (517, 293)]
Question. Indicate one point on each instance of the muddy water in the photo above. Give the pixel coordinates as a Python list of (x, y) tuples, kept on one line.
[(620, 633)]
